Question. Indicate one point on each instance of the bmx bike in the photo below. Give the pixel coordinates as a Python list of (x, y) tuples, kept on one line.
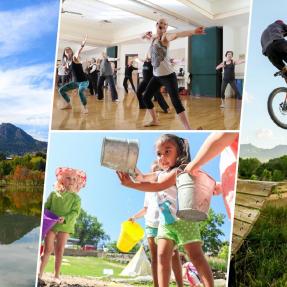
[(277, 104)]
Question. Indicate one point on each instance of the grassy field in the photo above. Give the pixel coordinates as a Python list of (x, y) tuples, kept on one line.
[(261, 261), (85, 266)]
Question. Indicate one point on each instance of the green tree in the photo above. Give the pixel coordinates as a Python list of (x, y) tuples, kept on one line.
[(2, 156), (266, 175), (211, 232), (223, 252), (5, 168), (248, 167), (278, 175), (38, 163), (89, 230)]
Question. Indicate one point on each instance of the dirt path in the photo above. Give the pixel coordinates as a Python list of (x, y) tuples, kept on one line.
[(71, 281)]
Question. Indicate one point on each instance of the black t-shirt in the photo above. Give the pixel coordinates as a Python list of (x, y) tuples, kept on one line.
[(129, 70), (147, 71), (78, 73), (229, 71)]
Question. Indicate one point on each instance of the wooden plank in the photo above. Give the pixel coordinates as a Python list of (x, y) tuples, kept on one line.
[(259, 188), (237, 241), (252, 201), (241, 228), (246, 214)]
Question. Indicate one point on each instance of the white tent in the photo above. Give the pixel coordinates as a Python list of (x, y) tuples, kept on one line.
[(138, 266)]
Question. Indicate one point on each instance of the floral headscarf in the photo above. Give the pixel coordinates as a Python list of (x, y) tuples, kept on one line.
[(80, 176)]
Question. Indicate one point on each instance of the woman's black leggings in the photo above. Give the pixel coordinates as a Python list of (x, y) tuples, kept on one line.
[(233, 86), (158, 96), (125, 84), (170, 83)]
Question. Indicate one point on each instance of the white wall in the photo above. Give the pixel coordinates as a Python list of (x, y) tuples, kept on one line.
[(235, 39)]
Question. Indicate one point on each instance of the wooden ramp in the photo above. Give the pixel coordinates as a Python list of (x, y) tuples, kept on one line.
[(251, 196)]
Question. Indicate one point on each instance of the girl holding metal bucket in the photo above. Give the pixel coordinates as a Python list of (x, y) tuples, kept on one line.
[(151, 213), (172, 152), (65, 203)]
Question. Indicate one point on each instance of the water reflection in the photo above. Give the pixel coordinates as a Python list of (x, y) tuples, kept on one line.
[(20, 212)]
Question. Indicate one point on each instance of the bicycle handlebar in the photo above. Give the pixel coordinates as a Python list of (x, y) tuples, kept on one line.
[(280, 73)]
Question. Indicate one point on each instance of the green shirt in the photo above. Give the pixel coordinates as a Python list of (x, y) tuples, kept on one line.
[(67, 205)]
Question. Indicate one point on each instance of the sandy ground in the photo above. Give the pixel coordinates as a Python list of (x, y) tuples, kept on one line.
[(70, 281)]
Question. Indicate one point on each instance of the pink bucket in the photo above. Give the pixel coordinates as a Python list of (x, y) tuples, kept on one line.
[(194, 195), (49, 220)]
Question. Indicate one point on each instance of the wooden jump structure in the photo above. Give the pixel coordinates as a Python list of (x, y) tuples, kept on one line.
[(251, 197)]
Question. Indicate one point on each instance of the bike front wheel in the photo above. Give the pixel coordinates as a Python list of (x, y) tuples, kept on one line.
[(277, 107)]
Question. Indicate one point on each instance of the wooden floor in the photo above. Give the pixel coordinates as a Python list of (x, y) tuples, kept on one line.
[(125, 115)]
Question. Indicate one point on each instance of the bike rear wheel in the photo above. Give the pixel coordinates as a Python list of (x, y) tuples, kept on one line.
[(277, 107)]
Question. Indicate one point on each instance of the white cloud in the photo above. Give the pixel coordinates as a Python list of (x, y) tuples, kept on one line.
[(25, 95), (20, 28), (248, 98), (264, 134)]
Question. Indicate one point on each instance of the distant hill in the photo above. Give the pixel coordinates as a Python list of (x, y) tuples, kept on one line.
[(15, 141), (251, 151)]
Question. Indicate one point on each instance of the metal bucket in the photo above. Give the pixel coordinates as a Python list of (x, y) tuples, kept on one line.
[(194, 195), (120, 154)]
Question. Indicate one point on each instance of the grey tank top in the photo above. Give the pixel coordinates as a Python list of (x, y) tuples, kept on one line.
[(106, 68), (160, 59)]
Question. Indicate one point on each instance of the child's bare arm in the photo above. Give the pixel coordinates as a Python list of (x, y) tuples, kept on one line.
[(141, 177), (212, 147), (163, 183), (139, 214)]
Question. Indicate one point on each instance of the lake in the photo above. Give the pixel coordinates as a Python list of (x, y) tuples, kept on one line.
[(20, 213)]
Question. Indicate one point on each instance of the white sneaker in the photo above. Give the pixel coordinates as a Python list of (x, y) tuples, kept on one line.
[(84, 110), (66, 106)]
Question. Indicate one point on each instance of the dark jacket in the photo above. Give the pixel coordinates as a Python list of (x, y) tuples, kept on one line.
[(274, 31)]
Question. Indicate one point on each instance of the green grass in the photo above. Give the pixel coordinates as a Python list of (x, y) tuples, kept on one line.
[(261, 261), (85, 266), (91, 266), (217, 264)]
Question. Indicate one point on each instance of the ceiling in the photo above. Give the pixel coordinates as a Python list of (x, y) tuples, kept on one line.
[(110, 22)]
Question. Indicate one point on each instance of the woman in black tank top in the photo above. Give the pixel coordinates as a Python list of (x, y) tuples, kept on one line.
[(79, 82), (229, 75)]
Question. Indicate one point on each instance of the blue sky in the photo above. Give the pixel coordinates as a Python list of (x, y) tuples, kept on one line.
[(28, 37), (257, 128), (103, 195)]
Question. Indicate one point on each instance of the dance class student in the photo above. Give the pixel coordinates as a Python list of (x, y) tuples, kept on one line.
[(106, 73), (128, 76), (163, 72), (66, 203), (93, 76), (225, 145), (229, 75), (79, 82), (151, 213), (147, 72), (172, 151), (64, 70)]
